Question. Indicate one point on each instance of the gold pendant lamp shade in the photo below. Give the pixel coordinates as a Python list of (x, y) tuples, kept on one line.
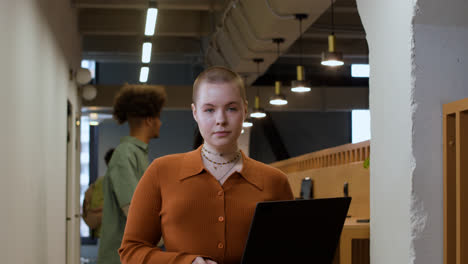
[(332, 58), (300, 85), (257, 111), (278, 98)]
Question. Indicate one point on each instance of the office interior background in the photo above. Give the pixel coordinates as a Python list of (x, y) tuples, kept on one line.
[(415, 52)]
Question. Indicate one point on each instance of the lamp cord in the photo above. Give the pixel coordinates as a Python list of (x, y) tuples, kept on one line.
[(332, 18), (258, 76), (278, 51), (300, 40)]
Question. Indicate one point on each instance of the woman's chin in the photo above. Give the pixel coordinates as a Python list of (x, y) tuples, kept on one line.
[(221, 143)]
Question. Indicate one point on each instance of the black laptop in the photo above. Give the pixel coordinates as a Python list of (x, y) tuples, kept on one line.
[(299, 231)]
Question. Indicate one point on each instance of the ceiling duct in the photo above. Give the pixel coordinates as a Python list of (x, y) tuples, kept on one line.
[(248, 26)]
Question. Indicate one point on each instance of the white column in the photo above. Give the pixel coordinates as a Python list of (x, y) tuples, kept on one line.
[(418, 63), (388, 26)]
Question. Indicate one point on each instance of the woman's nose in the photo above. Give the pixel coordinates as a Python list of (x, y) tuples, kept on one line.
[(221, 118)]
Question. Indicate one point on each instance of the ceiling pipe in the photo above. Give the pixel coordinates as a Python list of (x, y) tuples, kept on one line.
[(247, 27)]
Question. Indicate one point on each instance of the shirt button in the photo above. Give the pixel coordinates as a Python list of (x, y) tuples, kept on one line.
[(220, 193), (220, 245), (220, 219)]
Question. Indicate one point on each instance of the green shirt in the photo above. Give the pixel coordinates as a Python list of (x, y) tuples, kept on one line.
[(128, 163)]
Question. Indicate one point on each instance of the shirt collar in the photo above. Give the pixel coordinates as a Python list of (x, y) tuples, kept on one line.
[(193, 165), (135, 141)]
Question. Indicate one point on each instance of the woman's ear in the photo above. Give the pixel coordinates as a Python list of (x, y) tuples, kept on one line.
[(194, 112)]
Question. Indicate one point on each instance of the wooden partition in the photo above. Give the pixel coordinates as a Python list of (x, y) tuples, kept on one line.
[(330, 169), (344, 154), (329, 183), (455, 142)]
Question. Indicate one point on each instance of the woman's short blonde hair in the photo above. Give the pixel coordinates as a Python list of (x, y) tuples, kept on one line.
[(219, 74)]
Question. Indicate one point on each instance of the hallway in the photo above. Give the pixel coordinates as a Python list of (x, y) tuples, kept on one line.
[(418, 63)]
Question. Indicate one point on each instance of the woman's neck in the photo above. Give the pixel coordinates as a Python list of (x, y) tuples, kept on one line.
[(225, 153)]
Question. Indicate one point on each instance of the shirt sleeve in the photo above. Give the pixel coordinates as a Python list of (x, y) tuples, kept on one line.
[(143, 228), (122, 175), (284, 192)]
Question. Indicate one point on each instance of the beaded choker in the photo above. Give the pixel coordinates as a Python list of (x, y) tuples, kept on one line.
[(215, 163), (213, 153)]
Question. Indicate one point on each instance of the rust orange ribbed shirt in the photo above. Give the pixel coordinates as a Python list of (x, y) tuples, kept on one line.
[(181, 201)]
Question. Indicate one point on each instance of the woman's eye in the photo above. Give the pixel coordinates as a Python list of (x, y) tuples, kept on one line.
[(209, 110), (232, 109)]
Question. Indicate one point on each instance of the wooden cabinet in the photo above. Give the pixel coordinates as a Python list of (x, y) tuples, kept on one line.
[(455, 144)]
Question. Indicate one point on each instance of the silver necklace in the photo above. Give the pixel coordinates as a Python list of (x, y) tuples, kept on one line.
[(225, 174)]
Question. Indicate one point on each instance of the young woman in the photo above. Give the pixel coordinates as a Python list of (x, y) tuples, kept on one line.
[(202, 202)]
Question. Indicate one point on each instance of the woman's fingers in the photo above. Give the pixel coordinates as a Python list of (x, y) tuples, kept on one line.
[(199, 260)]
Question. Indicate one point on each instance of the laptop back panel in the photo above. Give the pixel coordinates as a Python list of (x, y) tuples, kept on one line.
[(300, 231)]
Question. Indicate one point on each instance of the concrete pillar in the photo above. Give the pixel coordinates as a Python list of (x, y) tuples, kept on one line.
[(418, 62)]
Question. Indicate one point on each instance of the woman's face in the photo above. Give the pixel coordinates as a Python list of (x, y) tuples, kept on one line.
[(219, 111)]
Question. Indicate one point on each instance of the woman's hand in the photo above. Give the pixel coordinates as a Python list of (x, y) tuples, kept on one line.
[(200, 260)]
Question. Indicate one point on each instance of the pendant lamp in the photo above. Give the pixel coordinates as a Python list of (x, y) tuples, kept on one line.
[(278, 98), (300, 85), (331, 57), (247, 122), (257, 111)]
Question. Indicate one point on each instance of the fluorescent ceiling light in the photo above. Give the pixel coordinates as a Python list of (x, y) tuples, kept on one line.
[(151, 16), (93, 123), (146, 54), (360, 70), (144, 74)]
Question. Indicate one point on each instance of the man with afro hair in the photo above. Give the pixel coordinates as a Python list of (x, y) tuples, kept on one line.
[(140, 106)]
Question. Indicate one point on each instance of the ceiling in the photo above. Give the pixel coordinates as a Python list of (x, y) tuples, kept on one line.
[(229, 33)]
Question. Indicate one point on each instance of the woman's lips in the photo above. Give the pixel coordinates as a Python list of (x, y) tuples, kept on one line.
[(222, 133)]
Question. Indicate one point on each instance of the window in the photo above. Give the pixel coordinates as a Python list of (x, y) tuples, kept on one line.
[(360, 125), (91, 66), (360, 70), (84, 174)]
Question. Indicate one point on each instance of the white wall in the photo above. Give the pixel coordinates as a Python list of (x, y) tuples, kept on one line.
[(418, 62), (441, 67), (38, 46), (388, 26)]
